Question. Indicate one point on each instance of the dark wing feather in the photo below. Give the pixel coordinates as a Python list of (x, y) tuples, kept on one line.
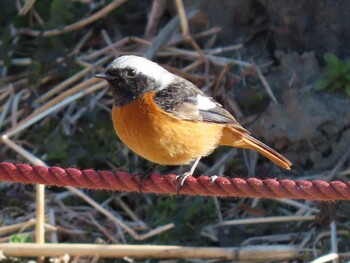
[(180, 99)]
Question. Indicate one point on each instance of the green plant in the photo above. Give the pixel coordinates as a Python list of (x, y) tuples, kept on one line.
[(337, 76), (20, 238)]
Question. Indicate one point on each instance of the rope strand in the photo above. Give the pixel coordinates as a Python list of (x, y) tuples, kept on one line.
[(203, 185)]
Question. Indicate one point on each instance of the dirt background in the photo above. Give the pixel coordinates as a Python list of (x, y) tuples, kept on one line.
[(311, 128)]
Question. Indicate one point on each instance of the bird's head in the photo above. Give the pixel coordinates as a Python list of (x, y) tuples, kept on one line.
[(131, 76)]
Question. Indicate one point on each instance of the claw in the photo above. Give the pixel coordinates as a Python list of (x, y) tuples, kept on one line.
[(213, 178), (145, 175), (141, 179), (182, 178)]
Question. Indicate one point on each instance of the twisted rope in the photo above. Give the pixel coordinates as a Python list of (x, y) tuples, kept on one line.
[(203, 185)]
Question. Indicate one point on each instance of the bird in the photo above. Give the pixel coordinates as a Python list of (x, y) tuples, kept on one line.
[(168, 120)]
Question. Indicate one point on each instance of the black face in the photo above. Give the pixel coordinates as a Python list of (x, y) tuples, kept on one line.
[(127, 85)]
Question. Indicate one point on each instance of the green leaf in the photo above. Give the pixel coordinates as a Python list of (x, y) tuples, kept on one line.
[(347, 88), (64, 12), (337, 75), (333, 72), (323, 84), (258, 97), (338, 85), (347, 66), (345, 70), (20, 238), (331, 60)]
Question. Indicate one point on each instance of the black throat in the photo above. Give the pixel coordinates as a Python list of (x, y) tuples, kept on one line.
[(126, 90)]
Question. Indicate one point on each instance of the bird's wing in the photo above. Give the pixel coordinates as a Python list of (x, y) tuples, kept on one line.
[(184, 100)]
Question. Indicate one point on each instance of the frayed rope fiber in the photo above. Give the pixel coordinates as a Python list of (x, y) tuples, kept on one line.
[(159, 184)]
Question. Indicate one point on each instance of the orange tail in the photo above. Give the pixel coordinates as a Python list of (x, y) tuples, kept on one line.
[(234, 138)]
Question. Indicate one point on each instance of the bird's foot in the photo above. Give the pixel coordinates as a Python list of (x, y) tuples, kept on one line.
[(182, 178), (143, 176)]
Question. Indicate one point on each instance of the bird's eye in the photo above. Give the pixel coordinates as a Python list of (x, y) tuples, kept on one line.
[(130, 72)]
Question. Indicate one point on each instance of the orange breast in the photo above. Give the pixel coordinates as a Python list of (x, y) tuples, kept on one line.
[(161, 138)]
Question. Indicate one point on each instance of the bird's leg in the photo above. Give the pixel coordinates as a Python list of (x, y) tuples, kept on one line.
[(187, 174), (146, 174)]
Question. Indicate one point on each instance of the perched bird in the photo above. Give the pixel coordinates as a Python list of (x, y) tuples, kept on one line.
[(168, 120)]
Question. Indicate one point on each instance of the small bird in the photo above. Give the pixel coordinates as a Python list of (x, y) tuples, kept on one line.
[(168, 120)]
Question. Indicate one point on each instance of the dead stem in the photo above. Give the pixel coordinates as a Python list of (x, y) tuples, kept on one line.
[(55, 32)]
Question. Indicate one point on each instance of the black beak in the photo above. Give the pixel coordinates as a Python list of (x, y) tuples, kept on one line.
[(103, 76)]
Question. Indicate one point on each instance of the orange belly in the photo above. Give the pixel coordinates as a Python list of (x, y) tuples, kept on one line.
[(161, 138)]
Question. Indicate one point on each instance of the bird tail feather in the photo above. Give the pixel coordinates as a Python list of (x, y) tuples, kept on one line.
[(234, 138)]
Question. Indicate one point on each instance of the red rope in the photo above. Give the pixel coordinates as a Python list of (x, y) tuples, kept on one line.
[(203, 185)]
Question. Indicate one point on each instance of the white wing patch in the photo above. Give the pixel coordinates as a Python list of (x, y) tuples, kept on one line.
[(204, 103), (146, 67)]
